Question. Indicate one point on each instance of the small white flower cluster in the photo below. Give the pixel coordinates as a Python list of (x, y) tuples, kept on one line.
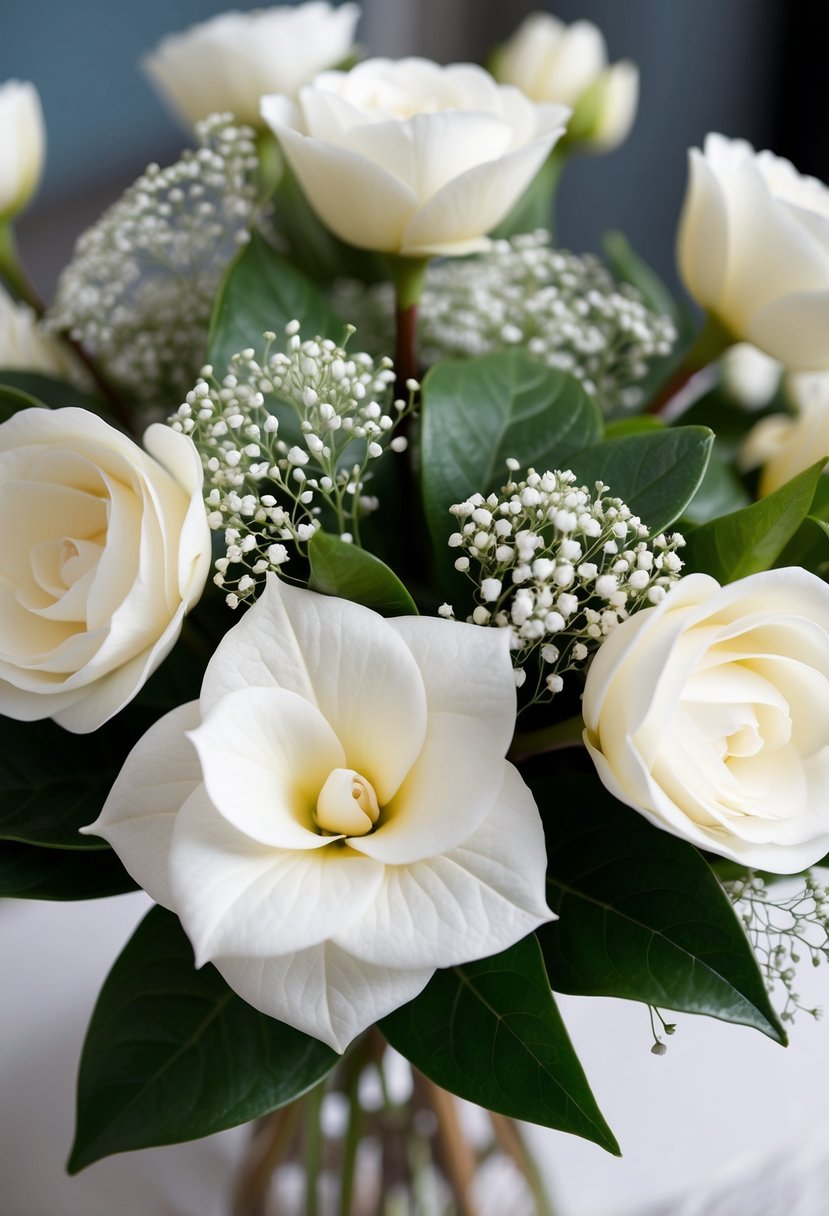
[(783, 929), (568, 311), (139, 291), (559, 566), (286, 441)]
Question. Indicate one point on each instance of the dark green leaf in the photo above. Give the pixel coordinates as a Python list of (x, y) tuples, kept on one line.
[(656, 474), (809, 547), (750, 540), (173, 1054), (641, 914), (637, 424), (820, 503), (51, 392), (52, 782), (491, 1033), (13, 400), (478, 412), (346, 570), (27, 872), (262, 291)]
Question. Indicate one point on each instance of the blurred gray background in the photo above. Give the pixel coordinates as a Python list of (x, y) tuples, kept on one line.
[(723, 65)]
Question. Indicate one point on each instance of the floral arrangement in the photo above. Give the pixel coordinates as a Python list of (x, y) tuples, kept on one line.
[(427, 618)]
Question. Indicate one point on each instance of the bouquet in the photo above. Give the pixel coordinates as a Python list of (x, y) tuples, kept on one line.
[(427, 618)]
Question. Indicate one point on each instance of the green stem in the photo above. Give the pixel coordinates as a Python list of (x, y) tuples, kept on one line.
[(548, 739), (14, 272), (313, 1149)]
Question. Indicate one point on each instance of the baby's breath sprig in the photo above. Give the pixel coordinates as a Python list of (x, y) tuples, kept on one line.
[(560, 566), (783, 930), (139, 291), (568, 311), (269, 480)]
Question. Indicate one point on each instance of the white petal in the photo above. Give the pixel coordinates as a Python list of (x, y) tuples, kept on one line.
[(358, 200), (474, 202), (794, 330), (239, 898), (476, 900), (265, 755), (702, 242), (157, 777), (343, 658), (323, 991)]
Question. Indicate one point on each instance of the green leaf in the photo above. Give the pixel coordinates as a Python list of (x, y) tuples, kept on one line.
[(637, 424), (262, 291), (491, 1032), (747, 541), (13, 400), (809, 547), (641, 915), (820, 502), (52, 783), (656, 473), (173, 1054), (478, 412), (55, 394), (346, 570), (27, 872)]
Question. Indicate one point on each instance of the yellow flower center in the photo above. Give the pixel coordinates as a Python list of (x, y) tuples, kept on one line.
[(347, 804)]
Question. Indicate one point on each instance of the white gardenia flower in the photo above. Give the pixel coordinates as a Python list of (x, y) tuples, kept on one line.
[(22, 145), (229, 62), (334, 819), (555, 62), (753, 249), (106, 548), (709, 714), (412, 158), (27, 346)]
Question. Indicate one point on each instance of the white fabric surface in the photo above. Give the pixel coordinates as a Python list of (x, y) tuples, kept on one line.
[(726, 1122)]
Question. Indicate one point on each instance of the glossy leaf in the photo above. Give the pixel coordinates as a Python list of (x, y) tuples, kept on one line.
[(656, 474), (809, 547), (641, 914), (173, 1054), (262, 291), (491, 1032), (747, 541), (27, 872), (346, 570), (478, 412)]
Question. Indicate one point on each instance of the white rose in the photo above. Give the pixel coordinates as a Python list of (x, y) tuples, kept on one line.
[(753, 250), (106, 548), (408, 157), (709, 714), (552, 61), (22, 145), (27, 346), (749, 376), (335, 819), (230, 61)]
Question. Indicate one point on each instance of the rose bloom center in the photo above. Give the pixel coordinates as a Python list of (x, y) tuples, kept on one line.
[(347, 804)]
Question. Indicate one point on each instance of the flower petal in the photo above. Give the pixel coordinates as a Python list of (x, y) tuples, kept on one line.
[(476, 900), (323, 991), (138, 817), (702, 241), (795, 330), (343, 658), (236, 897), (475, 201), (266, 754)]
